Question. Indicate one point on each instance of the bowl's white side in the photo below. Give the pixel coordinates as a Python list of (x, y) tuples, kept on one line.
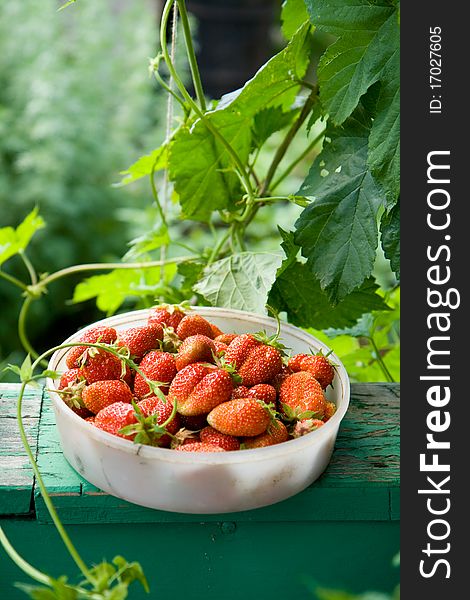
[(201, 483)]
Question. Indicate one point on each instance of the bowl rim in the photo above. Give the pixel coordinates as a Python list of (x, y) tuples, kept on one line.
[(130, 319)]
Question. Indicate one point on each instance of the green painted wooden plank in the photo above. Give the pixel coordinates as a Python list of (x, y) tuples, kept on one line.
[(213, 561), (16, 475), (356, 486)]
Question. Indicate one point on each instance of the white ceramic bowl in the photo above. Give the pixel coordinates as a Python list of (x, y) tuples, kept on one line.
[(201, 483)]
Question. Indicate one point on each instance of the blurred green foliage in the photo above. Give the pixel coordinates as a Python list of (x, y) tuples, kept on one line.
[(76, 105)]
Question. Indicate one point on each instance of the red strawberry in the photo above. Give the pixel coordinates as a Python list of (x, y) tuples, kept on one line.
[(103, 393), (220, 348), (241, 391), (301, 396), (316, 364), (102, 334), (192, 325), (263, 391), (212, 436), (114, 417), (276, 382), (275, 434), (198, 388), (140, 340), (255, 362), (69, 378), (225, 338), (156, 406), (100, 365), (199, 447), (241, 417), (216, 332), (330, 409), (157, 366), (167, 315), (71, 385), (306, 426), (196, 348)]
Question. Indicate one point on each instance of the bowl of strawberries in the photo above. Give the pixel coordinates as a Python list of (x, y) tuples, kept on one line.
[(196, 409)]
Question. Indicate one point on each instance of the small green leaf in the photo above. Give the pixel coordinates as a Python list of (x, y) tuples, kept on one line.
[(362, 328), (156, 161), (130, 572), (51, 374), (293, 15), (26, 371), (13, 241), (390, 231), (148, 242), (240, 281)]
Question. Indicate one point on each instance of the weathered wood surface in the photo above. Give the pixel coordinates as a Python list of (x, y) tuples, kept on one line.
[(361, 482), (16, 475)]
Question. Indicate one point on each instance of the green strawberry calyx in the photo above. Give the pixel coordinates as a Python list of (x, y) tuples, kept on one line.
[(147, 429)]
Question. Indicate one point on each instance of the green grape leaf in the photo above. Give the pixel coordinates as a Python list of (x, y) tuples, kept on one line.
[(367, 35), (113, 289), (299, 294), (390, 232), (240, 281), (277, 82), (13, 241), (157, 160), (201, 167), (293, 15), (384, 140), (268, 121), (338, 231), (366, 53)]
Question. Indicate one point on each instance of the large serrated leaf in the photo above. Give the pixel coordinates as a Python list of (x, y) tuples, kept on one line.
[(13, 241), (338, 230), (357, 60), (390, 231), (202, 168), (277, 82), (240, 281), (384, 140), (298, 293), (365, 53), (293, 15)]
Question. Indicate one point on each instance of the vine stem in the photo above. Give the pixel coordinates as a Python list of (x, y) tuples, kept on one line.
[(191, 54), (200, 112), (111, 266), (31, 270), (13, 280), (22, 326), (292, 166), (311, 99), (31, 295), (20, 561), (169, 117), (381, 361), (47, 500)]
